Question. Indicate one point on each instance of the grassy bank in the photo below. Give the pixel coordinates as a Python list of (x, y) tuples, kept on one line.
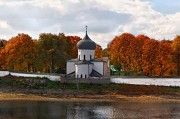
[(46, 88)]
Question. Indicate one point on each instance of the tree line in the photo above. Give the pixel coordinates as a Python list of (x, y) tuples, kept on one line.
[(145, 56), (47, 54), (140, 54)]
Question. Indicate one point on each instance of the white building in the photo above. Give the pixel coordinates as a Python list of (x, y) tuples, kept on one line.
[(86, 66)]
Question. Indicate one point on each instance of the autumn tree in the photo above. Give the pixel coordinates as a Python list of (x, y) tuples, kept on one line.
[(114, 55), (165, 65), (138, 59), (98, 52), (105, 52), (74, 40), (3, 43), (2, 58), (150, 52), (176, 53), (18, 53), (121, 51)]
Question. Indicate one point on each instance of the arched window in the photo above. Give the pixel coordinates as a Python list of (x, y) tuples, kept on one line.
[(81, 75), (90, 57), (79, 57), (84, 57), (85, 75), (77, 76)]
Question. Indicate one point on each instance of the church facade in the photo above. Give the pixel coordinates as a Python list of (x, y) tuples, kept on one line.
[(85, 65)]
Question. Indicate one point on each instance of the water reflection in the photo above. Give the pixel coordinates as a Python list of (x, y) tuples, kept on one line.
[(87, 110)]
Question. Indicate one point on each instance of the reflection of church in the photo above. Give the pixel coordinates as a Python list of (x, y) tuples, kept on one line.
[(86, 66)]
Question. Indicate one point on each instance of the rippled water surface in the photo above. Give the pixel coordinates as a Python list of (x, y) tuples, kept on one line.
[(87, 110)]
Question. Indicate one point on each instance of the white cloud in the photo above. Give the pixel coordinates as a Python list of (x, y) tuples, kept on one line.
[(145, 19), (105, 18), (5, 28), (167, 26), (4, 25)]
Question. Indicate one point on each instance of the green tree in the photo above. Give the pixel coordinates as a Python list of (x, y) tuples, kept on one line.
[(52, 51)]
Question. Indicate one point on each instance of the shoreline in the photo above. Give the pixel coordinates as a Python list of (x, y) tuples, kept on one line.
[(88, 98), (39, 89)]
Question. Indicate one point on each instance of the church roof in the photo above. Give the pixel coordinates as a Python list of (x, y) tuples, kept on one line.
[(72, 74), (94, 73), (83, 62), (86, 43)]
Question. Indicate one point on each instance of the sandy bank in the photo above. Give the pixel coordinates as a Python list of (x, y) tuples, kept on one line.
[(88, 98)]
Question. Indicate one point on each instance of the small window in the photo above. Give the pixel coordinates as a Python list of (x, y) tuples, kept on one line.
[(79, 57), (85, 76), (90, 57), (81, 75), (77, 76), (84, 57)]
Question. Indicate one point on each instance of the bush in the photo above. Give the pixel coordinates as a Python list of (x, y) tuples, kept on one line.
[(52, 84)]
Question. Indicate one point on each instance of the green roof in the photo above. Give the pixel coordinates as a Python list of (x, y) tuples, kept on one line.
[(112, 68)]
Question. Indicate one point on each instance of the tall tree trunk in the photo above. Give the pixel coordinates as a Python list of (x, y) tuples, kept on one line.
[(52, 66), (52, 63)]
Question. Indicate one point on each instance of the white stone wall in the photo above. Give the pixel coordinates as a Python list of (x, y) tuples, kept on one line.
[(50, 77), (70, 67), (175, 82), (87, 54), (4, 73), (84, 70), (98, 66)]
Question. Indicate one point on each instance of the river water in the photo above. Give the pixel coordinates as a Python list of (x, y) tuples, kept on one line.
[(88, 110)]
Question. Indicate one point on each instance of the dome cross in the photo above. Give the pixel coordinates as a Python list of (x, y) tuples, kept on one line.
[(86, 29)]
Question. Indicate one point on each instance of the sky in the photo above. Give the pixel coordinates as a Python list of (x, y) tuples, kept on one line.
[(159, 19)]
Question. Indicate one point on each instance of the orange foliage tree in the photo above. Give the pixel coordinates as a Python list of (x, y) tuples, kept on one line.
[(98, 52), (176, 53), (142, 55), (121, 51), (2, 45), (165, 65), (157, 58), (18, 53), (150, 52), (140, 40), (74, 40)]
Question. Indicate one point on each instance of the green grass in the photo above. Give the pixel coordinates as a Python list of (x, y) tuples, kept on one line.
[(174, 89), (44, 83)]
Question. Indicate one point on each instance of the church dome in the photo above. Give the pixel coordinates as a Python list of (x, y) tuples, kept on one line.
[(86, 43)]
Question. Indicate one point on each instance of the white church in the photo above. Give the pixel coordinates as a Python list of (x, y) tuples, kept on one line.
[(86, 66)]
